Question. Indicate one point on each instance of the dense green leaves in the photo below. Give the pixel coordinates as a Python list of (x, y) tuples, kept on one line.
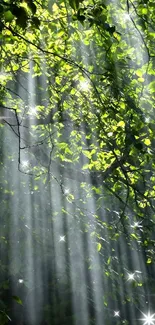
[(19, 13)]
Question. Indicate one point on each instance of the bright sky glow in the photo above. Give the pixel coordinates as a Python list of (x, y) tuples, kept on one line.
[(84, 85), (62, 238), (25, 163), (117, 313), (66, 191), (20, 280), (32, 110), (110, 134), (4, 76), (126, 17), (148, 319)]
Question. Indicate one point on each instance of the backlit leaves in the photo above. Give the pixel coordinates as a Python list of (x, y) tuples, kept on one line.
[(99, 246)]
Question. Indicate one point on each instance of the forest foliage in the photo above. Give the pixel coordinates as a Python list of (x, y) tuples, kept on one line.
[(90, 112)]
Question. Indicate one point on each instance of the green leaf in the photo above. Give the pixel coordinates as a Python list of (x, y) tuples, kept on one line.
[(134, 236), (141, 79), (145, 243), (109, 260), (121, 124), (70, 198), (147, 142), (32, 6), (7, 316), (74, 4), (18, 300), (22, 17), (107, 273), (144, 11), (8, 16), (99, 246), (36, 22), (149, 261)]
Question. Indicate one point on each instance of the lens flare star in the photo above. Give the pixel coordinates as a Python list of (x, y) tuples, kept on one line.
[(66, 191), (84, 85), (25, 163), (116, 313), (62, 238), (137, 224), (148, 319), (131, 276)]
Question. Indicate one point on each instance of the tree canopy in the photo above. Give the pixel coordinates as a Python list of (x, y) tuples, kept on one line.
[(77, 99)]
